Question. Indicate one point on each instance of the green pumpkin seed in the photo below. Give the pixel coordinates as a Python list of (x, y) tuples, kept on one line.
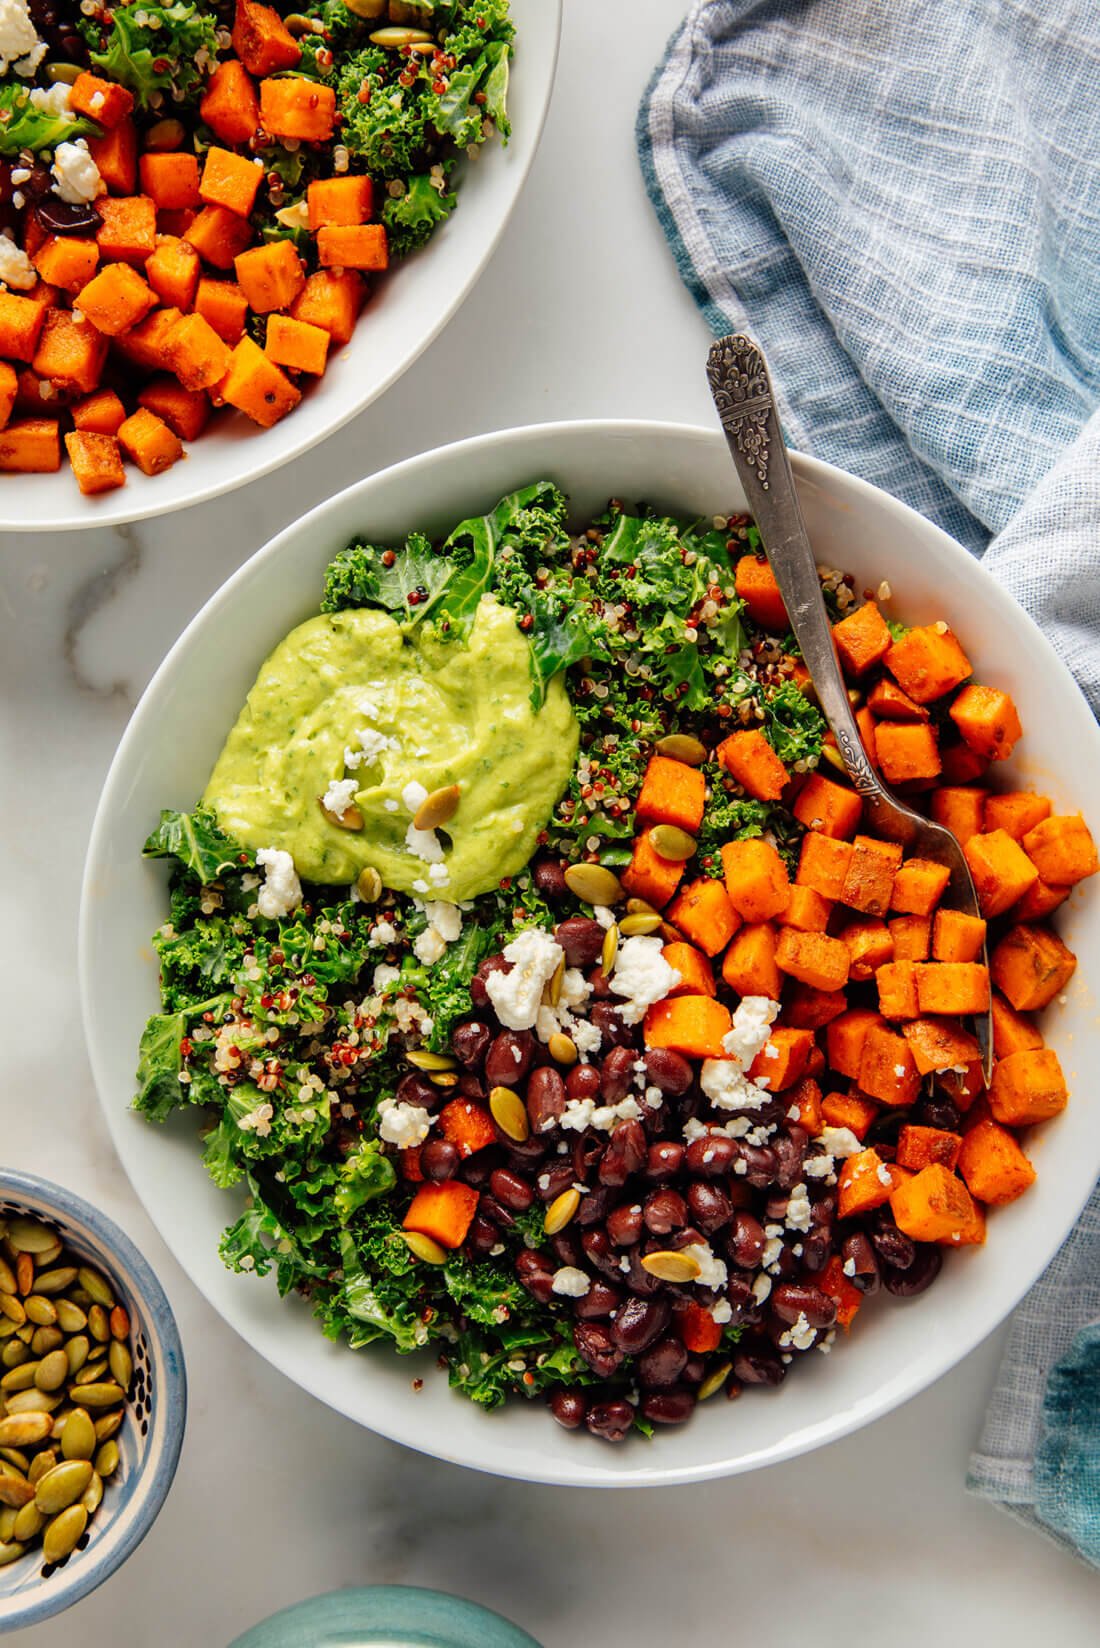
[(610, 949), (8, 1518), (16, 1457), (65, 74), (77, 1352), (562, 1048), (64, 1533), (561, 1210), (425, 1249), (510, 1113), (7, 1277), (11, 1552), (165, 135), (28, 1236), (369, 885), (7, 1328), (106, 1460), (669, 841), (593, 884), (639, 907), (438, 808), (92, 1497), (15, 1353), (672, 1266), (33, 1401), (54, 1281), (45, 1340), (107, 1425), (52, 1371), (78, 1439), (15, 1491), (632, 926), (70, 1317), (394, 39), (101, 1396), (714, 1381), (41, 1311), (121, 1363), (92, 1372), (23, 1430), (367, 8), (49, 1255), (44, 1460), (12, 1308), (20, 1378), (99, 1325), (681, 746), (63, 1485), (26, 1332), (556, 982), (421, 1059), (95, 1287), (29, 1523)]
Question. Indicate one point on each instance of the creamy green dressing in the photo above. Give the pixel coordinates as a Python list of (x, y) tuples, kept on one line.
[(451, 714)]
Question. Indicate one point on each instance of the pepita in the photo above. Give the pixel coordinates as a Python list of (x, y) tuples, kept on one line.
[(45, 1340), (14, 1352), (833, 756), (49, 1255), (121, 1363), (714, 1381), (7, 1277), (593, 884), (297, 23), (65, 74), (556, 982), (24, 1273), (681, 746), (20, 1378), (95, 1287), (92, 1497), (62, 1486), (64, 1533), (104, 1395), (561, 1210), (562, 1048), (15, 1491), (367, 8), (107, 1425), (70, 1317), (510, 1113), (16, 1457), (41, 1311), (424, 1248), (672, 1266), (28, 1236), (26, 1332), (44, 1460), (78, 1439), (33, 1401), (443, 1078), (11, 1552), (77, 1353), (7, 1328), (350, 819), (13, 1309), (369, 885), (106, 1460), (99, 1325), (52, 1372), (421, 1059), (669, 841), (610, 949), (164, 136), (91, 1373), (633, 926), (639, 907), (29, 1523), (436, 808), (8, 1517), (23, 1430), (393, 39), (294, 217)]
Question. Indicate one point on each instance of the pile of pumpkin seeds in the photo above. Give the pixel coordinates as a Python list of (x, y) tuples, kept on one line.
[(66, 1370)]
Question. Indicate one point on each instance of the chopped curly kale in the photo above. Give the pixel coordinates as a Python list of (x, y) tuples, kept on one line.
[(197, 841), (154, 50), (412, 218), (24, 124)]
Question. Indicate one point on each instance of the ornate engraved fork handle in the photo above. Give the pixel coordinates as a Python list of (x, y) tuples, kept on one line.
[(742, 392)]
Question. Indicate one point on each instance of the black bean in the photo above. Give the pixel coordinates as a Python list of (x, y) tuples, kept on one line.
[(599, 1252), (741, 1298), (536, 1277), (479, 995), (789, 1152), (938, 1111), (586, 1153), (612, 1421), (624, 1224), (919, 1274), (668, 1407), (470, 1087), (760, 1164), (617, 1074), (892, 1245), (712, 1156), (664, 1211), (549, 877), (859, 1259), (817, 1249), (668, 1071), (510, 1189), (552, 1180), (695, 1369), (524, 1156), (582, 940), (475, 1169), (469, 1042), (638, 1279), (595, 1346), (545, 1098), (614, 1031), (418, 1090), (482, 1237), (790, 1300), (566, 1248), (569, 1408), (438, 1160), (62, 217), (598, 1303), (594, 1206), (639, 1323), (509, 1058), (758, 1366), (709, 1205), (662, 1364), (582, 1082), (663, 1161), (625, 1154), (496, 1211)]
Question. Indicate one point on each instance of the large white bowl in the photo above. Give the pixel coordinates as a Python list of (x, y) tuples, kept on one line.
[(406, 311), (166, 755)]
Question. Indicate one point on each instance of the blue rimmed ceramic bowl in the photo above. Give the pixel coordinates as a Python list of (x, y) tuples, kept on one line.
[(388, 1616), (149, 1441)]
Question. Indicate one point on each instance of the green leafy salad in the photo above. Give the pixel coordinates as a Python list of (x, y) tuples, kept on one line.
[(288, 1031)]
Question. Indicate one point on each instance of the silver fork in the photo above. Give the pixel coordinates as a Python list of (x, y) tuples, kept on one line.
[(739, 382)]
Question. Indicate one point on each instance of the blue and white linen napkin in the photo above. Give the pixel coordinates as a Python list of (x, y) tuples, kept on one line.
[(901, 199)]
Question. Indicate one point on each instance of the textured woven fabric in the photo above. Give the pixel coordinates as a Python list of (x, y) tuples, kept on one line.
[(901, 200)]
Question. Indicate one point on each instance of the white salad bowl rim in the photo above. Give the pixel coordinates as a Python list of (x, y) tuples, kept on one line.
[(923, 1338)]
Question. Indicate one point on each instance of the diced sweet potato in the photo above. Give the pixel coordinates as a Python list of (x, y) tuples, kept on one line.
[(262, 40), (993, 1165), (128, 228), (339, 201), (297, 344), (224, 305), (468, 1126), (704, 914), (829, 809), (844, 1039), (963, 1087), (1027, 1087), (813, 958), (960, 808), (782, 1059), (443, 1212), (9, 385), (755, 583), (20, 323), (1013, 1032), (823, 864), (270, 276), (115, 299), (32, 446), (70, 352), (961, 765), (912, 936), (1001, 869), (917, 1146), (862, 639), (836, 1284), (1031, 965), (101, 413), (806, 910), (672, 793), (1062, 850), (887, 702), (172, 180), (896, 982), (103, 101), (907, 751), (988, 721), (115, 155), (952, 987), (869, 882), (95, 461), (869, 946), (927, 662), (230, 106), (696, 973), (1016, 811), (756, 879), (148, 440), (197, 355), (749, 965), (805, 1097), (648, 875), (305, 112), (939, 1043), (691, 1025), (750, 759), (918, 886), (67, 260), (957, 936), (1040, 901), (864, 1183), (853, 1110), (185, 411), (887, 1069), (256, 386), (333, 300), (220, 236), (934, 1206), (696, 1329), (173, 271), (148, 343), (229, 179)]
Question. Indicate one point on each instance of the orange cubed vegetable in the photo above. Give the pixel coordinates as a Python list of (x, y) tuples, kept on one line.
[(364, 247), (409, 1162), (862, 639), (230, 180), (1062, 850), (1013, 1032), (704, 914), (30, 447), (1001, 870), (993, 1165), (887, 702), (918, 886), (961, 765), (782, 1059), (304, 111), (696, 1328), (95, 461), (869, 882), (67, 260), (691, 1025), (927, 662), (648, 875), (813, 958), (749, 966), (865, 1182), (147, 344), (297, 344), (918, 1146), (1040, 901), (115, 155), (40, 398), (262, 40), (912, 936), (807, 1008), (896, 982), (230, 106), (823, 864), (198, 357), (1016, 811), (102, 413), (869, 947), (127, 231), (1027, 1087), (185, 411), (172, 180), (672, 793), (219, 236), (963, 1087), (939, 1044), (806, 910), (952, 986), (469, 1127), (332, 300), (103, 101), (224, 305), (339, 202), (148, 440), (988, 721), (848, 1297), (70, 352), (852, 1110), (444, 1212), (932, 1207), (907, 751), (844, 1039), (806, 1100), (20, 323), (750, 759), (828, 809), (1031, 965), (957, 936), (887, 1069), (756, 879), (696, 973), (9, 385), (173, 271), (256, 386), (960, 808), (115, 299), (755, 583)]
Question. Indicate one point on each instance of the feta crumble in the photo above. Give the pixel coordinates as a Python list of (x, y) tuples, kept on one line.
[(642, 976), (515, 996), (282, 891), (712, 1270), (339, 796), (16, 268), (76, 173), (404, 1125), (571, 1282)]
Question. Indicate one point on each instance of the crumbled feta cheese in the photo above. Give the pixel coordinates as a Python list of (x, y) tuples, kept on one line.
[(429, 947), (801, 1335), (16, 268), (773, 1247), (371, 745), (712, 1270), (384, 976), (515, 996), (445, 918), (414, 796), (752, 1022), (439, 873), (641, 975), (282, 891), (723, 1082), (404, 1125), (580, 1114), (424, 844), (19, 41), (570, 1281), (383, 933), (849, 1267), (390, 805), (839, 1141), (722, 1312), (51, 100), (604, 916), (575, 988), (798, 1209), (586, 1036), (339, 796), (818, 1167), (77, 174), (883, 1175)]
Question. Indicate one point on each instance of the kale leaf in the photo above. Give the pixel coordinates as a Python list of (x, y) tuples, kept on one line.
[(412, 218), (23, 125), (153, 49), (371, 575), (197, 841), (365, 1175)]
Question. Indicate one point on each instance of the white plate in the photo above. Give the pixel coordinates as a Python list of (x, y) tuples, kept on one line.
[(166, 754), (407, 310)]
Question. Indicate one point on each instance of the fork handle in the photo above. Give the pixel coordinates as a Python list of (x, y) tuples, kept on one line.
[(743, 395)]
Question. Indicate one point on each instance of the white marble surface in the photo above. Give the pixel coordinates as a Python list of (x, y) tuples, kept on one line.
[(580, 314)]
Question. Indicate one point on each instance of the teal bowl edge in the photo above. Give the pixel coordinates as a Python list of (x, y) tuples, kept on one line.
[(390, 1615)]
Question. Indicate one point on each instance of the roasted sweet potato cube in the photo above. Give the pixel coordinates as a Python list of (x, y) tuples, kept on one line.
[(917, 1146), (696, 972), (1013, 1032), (115, 155), (912, 936), (173, 271), (749, 758), (103, 101), (782, 1059), (807, 1008), (907, 752), (988, 721), (960, 808), (224, 305), (939, 1043), (957, 936), (827, 808), (756, 879), (1001, 869), (1040, 901), (704, 914), (305, 112), (172, 180), (896, 982), (755, 583), (887, 1069), (70, 352), (1062, 850), (230, 106), (297, 344), (262, 40), (256, 386), (869, 946), (333, 300), (961, 764), (952, 987), (845, 1037), (869, 882), (101, 413), (230, 179), (116, 299), (128, 228), (691, 1025), (1027, 1087), (197, 355), (862, 639), (31, 446), (185, 411), (927, 662), (865, 1182), (934, 1206), (220, 236), (853, 1110), (823, 864), (95, 461), (1016, 811), (749, 965), (648, 875), (339, 201), (148, 440), (918, 886), (806, 910), (67, 260), (993, 1165), (1031, 965), (442, 1212), (147, 344), (20, 323), (813, 958), (672, 793), (887, 702), (270, 277), (9, 385)]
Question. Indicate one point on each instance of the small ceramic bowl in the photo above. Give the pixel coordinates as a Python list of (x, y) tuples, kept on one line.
[(149, 1439), (390, 1616)]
